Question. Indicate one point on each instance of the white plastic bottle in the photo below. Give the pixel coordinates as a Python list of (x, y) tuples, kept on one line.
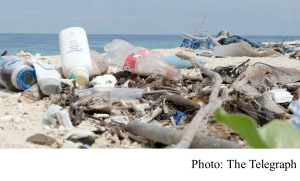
[(48, 78), (75, 54), (17, 75), (139, 60)]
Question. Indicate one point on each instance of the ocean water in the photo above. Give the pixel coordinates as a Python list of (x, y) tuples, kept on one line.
[(48, 44)]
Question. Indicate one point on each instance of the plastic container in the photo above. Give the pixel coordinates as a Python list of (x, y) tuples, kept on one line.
[(75, 55), (17, 75), (58, 116), (174, 60), (116, 93), (48, 78), (139, 60)]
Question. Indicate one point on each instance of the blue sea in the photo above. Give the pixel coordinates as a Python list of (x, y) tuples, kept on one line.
[(48, 44)]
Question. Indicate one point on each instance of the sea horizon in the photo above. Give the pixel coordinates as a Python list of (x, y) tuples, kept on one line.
[(48, 44)]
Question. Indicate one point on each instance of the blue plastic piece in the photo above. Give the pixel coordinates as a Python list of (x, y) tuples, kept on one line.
[(177, 116), (21, 78), (174, 60)]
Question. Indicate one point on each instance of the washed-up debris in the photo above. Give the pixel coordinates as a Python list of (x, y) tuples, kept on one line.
[(95, 103), (281, 96), (4, 53), (104, 81), (85, 141), (206, 42), (115, 93), (169, 136), (182, 104), (58, 116), (258, 79), (192, 128), (100, 67), (118, 108), (232, 38), (78, 134), (294, 107), (42, 139), (295, 55), (241, 49), (268, 104), (237, 106), (32, 94)]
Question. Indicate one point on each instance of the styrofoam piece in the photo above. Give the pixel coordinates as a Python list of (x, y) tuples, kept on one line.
[(241, 49), (104, 81), (281, 96)]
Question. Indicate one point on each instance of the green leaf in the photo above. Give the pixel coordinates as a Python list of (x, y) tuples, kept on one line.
[(280, 134), (243, 125)]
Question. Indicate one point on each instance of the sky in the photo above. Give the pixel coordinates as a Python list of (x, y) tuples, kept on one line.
[(157, 17)]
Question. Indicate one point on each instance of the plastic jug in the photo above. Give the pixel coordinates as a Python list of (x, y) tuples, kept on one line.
[(75, 55), (139, 60)]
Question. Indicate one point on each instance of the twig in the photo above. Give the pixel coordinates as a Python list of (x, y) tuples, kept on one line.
[(148, 118), (197, 120), (170, 136), (189, 77)]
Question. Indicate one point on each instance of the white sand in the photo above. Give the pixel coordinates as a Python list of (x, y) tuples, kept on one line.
[(18, 121)]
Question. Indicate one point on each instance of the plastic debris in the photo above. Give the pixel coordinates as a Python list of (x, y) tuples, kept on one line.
[(58, 116), (178, 115), (281, 96)]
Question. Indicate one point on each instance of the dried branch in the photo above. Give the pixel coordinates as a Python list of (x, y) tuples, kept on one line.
[(192, 128), (170, 136)]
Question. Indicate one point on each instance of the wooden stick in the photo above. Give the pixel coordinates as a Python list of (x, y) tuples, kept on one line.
[(170, 136), (136, 138), (189, 77), (197, 120)]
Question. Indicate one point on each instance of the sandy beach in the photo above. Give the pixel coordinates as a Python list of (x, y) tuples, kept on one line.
[(20, 120)]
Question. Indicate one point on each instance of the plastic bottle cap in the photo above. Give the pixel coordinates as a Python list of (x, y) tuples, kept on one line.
[(26, 78), (50, 85), (81, 77), (168, 76)]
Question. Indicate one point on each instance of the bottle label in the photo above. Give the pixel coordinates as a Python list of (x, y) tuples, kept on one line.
[(129, 64), (74, 47), (13, 63)]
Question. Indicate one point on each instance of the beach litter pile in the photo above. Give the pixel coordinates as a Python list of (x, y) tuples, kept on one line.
[(133, 97)]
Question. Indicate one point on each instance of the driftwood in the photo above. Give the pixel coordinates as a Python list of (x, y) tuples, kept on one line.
[(189, 77), (95, 103), (261, 117), (183, 104), (295, 55), (268, 104), (170, 136), (291, 87), (265, 77), (197, 120)]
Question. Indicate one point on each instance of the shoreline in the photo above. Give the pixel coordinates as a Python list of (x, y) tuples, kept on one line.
[(20, 120)]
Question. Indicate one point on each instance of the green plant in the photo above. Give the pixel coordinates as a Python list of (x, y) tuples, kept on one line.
[(275, 134)]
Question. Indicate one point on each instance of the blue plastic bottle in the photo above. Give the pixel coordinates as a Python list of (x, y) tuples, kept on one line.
[(174, 60), (16, 75)]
